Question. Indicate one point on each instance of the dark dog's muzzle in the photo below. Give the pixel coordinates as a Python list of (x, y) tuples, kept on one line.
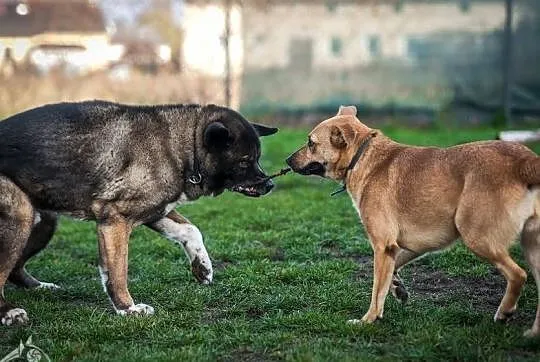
[(255, 189)]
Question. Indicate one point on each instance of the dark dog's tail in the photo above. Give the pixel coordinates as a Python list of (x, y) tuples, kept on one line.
[(529, 171)]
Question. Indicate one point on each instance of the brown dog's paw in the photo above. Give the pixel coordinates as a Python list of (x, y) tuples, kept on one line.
[(13, 317), (532, 333), (368, 318), (399, 292), (503, 317)]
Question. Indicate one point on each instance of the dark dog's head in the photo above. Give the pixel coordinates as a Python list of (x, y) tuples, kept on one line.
[(233, 152), (331, 145)]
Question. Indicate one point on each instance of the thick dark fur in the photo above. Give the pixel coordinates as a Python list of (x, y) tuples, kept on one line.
[(119, 165)]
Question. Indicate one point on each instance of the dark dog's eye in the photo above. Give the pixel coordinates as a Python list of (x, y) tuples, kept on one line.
[(244, 164), (310, 143)]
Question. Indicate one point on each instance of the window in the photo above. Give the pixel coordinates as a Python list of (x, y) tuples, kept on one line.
[(374, 45), (301, 54), (331, 5), (260, 38), (336, 46), (465, 5), (398, 6)]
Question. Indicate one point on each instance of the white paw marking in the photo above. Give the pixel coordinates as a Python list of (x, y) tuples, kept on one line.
[(15, 316), (355, 321), (137, 309), (50, 286)]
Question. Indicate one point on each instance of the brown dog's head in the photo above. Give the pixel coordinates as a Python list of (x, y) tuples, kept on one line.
[(331, 145)]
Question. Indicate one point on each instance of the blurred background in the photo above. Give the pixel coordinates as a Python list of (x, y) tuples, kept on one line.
[(410, 62)]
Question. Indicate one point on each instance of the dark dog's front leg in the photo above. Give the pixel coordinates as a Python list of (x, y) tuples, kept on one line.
[(178, 229), (113, 235)]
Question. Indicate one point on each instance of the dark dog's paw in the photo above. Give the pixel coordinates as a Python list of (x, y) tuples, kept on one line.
[(14, 316), (202, 270), (49, 286), (137, 309)]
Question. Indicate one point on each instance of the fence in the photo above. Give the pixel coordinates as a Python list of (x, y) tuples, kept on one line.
[(407, 59)]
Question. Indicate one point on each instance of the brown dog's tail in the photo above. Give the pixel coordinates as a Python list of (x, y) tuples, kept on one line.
[(529, 171)]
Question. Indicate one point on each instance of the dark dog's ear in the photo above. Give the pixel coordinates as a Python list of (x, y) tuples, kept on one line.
[(264, 130), (216, 136)]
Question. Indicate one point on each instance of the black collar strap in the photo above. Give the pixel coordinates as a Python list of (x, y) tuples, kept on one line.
[(353, 163), (195, 176)]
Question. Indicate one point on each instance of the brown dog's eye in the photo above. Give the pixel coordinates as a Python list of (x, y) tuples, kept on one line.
[(244, 164), (310, 143)]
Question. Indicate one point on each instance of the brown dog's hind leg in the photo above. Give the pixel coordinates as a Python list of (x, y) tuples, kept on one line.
[(16, 219), (113, 234), (397, 288), (493, 247), (530, 241), (41, 234)]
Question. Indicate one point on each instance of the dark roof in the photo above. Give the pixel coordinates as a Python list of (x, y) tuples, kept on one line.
[(50, 16)]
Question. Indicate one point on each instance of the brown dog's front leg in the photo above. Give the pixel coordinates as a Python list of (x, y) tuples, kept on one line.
[(113, 235), (383, 269)]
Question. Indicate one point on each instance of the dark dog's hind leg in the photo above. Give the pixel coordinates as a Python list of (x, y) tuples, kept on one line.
[(39, 238), (16, 219)]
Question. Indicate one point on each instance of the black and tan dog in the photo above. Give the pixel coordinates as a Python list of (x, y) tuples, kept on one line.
[(121, 166), (414, 200)]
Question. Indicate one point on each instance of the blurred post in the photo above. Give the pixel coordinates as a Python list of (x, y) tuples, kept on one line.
[(227, 37), (508, 63)]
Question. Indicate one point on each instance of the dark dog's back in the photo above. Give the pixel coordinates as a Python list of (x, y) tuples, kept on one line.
[(65, 155)]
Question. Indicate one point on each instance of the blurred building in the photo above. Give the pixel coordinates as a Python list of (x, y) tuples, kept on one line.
[(48, 34), (294, 54)]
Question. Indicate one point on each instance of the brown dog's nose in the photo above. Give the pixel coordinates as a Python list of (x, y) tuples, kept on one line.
[(289, 160)]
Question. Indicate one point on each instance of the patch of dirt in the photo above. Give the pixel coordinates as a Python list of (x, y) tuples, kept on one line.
[(277, 254), (255, 313), (484, 293), (221, 264), (246, 354)]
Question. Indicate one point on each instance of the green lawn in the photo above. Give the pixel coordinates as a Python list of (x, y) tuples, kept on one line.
[(290, 269)]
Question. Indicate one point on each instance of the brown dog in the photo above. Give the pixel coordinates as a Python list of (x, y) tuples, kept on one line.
[(414, 200)]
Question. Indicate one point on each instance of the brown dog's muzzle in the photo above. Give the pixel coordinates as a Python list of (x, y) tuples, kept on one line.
[(302, 165)]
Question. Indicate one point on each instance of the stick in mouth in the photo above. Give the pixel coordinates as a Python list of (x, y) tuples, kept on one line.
[(282, 172)]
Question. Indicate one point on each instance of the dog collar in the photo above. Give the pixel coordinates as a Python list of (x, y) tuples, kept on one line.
[(353, 163), (195, 176)]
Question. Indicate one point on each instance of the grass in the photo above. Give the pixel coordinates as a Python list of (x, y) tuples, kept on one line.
[(290, 269)]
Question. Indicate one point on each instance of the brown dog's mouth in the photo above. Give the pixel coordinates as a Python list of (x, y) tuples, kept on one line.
[(313, 168)]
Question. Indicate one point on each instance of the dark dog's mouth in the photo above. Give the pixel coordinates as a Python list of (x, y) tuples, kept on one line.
[(254, 189), (261, 187), (247, 190)]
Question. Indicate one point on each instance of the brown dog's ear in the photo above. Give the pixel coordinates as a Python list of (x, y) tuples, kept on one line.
[(346, 111), (337, 138)]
